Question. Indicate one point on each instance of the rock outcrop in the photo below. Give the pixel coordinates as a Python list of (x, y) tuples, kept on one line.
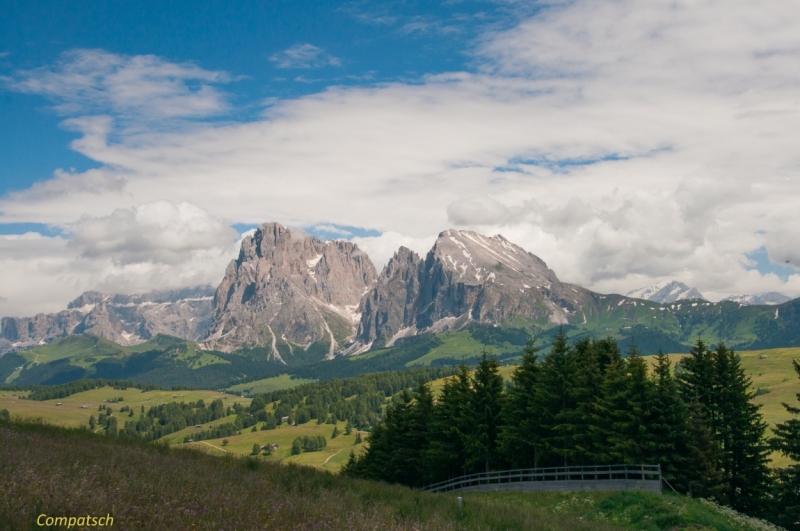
[(124, 319), (290, 291), (466, 277)]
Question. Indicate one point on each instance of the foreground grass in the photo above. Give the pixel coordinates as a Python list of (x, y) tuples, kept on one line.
[(59, 472), (632, 510), (62, 472)]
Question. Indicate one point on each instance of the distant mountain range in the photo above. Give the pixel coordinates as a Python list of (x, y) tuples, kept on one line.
[(293, 299), (771, 299), (666, 292), (672, 291)]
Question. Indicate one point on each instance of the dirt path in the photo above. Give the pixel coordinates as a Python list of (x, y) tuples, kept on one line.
[(329, 458)]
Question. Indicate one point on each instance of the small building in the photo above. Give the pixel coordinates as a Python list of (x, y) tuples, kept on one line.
[(58, 403), (762, 357), (198, 425), (84, 406), (190, 440)]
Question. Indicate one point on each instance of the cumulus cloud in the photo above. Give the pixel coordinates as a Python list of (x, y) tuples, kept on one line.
[(42, 274), (381, 248), (157, 232), (622, 142), (304, 56)]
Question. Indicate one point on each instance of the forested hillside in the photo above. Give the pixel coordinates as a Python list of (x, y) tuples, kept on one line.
[(586, 404)]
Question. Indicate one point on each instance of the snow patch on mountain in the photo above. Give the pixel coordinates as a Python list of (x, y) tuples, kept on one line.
[(666, 292), (771, 298)]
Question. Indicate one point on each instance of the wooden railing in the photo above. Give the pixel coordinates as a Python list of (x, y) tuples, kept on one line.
[(570, 478)]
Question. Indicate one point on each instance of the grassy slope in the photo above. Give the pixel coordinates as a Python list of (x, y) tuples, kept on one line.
[(71, 414), (276, 383), (146, 487), (330, 458)]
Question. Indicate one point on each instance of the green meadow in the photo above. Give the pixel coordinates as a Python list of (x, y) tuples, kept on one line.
[(67, 472)]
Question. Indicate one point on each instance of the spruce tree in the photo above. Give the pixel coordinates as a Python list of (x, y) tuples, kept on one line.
[(520, 432), (701, 477), (446, 455), (623, 414), (786, 510), (668, 425), (555, 401), (586, 391), (740, 431), (484, 411)]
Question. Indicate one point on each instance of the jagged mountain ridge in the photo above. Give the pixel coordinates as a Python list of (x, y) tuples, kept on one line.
[(289, 291), (666, 292), (466, 277), (768, 299), (124, 319), (300, 299)]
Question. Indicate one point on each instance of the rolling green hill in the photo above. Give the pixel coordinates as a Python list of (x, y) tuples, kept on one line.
[(152, 487)]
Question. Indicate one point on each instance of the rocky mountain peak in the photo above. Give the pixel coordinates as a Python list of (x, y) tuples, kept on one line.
[(666, 292), (476, 258), (288, 291), (465, 277)]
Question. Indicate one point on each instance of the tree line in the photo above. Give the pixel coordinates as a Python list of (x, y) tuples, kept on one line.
[(587, 404), (359, 400), (50, 392)]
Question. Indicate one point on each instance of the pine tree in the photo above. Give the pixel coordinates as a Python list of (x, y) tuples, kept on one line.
[(622, 413), (668, 425), (446, 455), (786, 511), (348, 428), (335, 432), (111, 426), (256, 449), (586, 391), (701, 476), (555, 401), (740, 431), (520, 432), (484, 410), (695, 376), (397, 444)]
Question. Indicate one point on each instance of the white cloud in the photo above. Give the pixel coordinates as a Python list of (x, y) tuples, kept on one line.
[(622, 142), (141, 87), (304, 56), (42, 274), (157, 232), (381, 248)]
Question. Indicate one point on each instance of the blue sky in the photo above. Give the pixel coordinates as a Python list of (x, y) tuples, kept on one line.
[(357, 43), (624, 142)]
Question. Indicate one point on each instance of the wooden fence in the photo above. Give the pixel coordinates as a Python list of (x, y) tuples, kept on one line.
[(570, 478)]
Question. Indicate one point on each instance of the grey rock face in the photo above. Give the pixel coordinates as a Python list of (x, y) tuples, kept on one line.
[(124, 319), (288, 290), (465, 277)]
